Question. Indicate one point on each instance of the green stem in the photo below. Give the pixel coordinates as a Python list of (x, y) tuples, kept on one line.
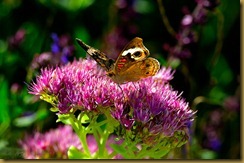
[(81, 132), (219, 43), (102, 148), (165, 19), (97, 138)]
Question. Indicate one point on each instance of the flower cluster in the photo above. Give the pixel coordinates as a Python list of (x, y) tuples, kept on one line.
[(52, 144), (56, 143), (186, 35), (150, 108)]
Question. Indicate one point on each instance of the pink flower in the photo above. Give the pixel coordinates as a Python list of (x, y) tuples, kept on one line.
[(56, 142), (52, 144)]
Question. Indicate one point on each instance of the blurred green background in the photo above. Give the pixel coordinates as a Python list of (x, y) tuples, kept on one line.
[(38, 33)]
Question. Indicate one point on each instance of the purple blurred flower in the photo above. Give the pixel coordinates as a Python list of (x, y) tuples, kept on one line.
[(186, 35), (187, 20), (209, 4), (17, 39), (177, 51), (52, 144), (42, 60), (232, 103), (151, 103), (212, 130), (56, 142), (62, 45), (200, 15), (212, 139), (61, 53), (15, 88)]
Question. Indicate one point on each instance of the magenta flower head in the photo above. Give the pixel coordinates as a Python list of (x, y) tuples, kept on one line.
[(79, 85), (148, 111)]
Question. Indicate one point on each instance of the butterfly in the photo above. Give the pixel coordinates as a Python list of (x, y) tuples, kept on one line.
[(131, 65)]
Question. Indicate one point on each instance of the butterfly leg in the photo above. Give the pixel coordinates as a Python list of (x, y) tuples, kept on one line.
[(137, 88), (122, 92)]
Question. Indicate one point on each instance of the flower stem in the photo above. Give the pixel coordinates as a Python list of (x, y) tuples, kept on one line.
[(165, 19), (81, 132)]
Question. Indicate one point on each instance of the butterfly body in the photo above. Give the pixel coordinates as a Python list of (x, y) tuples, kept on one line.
[(131, 65)]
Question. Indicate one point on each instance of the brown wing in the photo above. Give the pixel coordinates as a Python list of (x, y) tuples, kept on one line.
[(100, 57), (133, 52), (137, 71)]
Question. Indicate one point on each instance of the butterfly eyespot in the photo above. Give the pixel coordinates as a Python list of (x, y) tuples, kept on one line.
[(148, 65), (147, 72), (137, 54)]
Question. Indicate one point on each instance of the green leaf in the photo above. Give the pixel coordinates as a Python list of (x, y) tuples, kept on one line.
[(25, 121), (53, 109), (29, 120), (3, 143), (71, 5), (84, 118), (34, 39), (3, 47), (216, 95), (229, 17), (4, 111), (221, 72), (64, 118), (144, 6), (74, 153), (42, 114), (174, 63), (207, 154), (76, 4)]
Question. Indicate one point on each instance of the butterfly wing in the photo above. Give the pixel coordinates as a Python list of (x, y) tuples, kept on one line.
[(141, 69), (100, 57), (133, 52)]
